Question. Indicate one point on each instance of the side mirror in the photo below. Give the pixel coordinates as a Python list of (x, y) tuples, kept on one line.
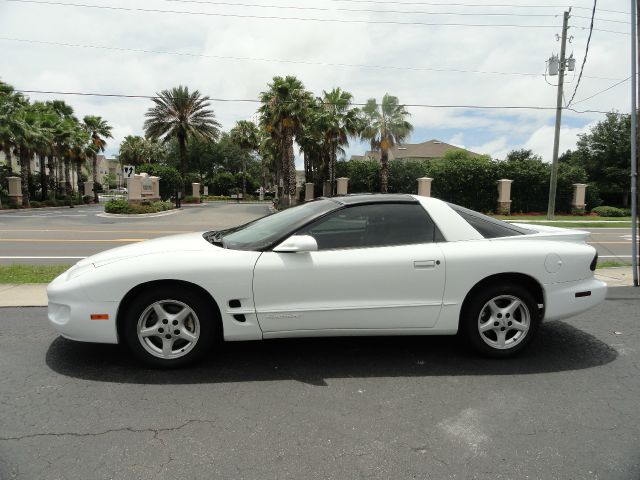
[(297, 243)]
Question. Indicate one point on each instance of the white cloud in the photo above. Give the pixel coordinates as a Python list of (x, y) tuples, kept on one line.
[(34, 66)]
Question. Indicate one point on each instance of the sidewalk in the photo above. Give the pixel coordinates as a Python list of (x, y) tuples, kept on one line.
[(35, 294)]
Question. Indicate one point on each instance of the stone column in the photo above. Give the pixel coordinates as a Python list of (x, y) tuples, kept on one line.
[(309, 191), (504, 197), (88, 188), (579, 192), (134, 188), (326, 189), (424, 186), (195, 191), (15, 189), (206, 191), (155, 182), (343, 185)]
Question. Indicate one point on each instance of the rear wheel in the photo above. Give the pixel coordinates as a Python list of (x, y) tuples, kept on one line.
[(169, 328), (500, 321)]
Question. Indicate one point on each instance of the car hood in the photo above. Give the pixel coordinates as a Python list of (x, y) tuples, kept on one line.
[(173, 243)]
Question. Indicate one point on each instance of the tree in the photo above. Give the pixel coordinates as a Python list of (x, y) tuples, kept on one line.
[(136, 150), (99, 130), (604, 152), (283, 112), (180, 114), (245, 135), (340, 121), (522, 155), (385, 126)]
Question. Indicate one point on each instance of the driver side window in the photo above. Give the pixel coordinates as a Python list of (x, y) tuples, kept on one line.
[(373, 225)]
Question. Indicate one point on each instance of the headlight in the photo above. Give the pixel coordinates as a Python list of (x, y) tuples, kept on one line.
[(79, 270)]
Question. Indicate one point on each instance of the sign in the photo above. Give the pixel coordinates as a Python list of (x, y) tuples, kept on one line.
[(147, 186), (129, 171)]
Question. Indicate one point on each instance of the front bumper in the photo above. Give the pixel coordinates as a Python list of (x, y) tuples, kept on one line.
[(70, 313), (561, 300)]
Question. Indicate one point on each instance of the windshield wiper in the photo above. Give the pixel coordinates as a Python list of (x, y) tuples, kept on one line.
[(214, 237)]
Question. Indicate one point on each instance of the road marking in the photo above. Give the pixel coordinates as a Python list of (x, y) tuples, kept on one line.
[(615, 256), (608, 243), (50, 215), (63, 240), (94, 231), (39, 258)]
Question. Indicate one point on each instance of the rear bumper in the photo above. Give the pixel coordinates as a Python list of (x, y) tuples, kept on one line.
[(561, 300)]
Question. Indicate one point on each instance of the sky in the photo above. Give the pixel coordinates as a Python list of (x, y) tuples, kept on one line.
[(427, 52)]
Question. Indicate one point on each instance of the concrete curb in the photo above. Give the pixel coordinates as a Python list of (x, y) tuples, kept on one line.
[(35, 294)]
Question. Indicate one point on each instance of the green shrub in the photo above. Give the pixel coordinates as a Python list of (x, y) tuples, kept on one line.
[(87, 199), (217, 197), (35, 204), (124, 207), (50, 203), (61, 203), (605, 211), (190, 199)]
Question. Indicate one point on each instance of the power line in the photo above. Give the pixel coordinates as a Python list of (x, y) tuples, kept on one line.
[(472, 5), (365, 10), (586, 53), (274, 60), (275, 17), (251, 100), (602, 91)]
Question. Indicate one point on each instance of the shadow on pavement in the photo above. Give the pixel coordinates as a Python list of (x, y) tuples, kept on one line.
[(558, 347)]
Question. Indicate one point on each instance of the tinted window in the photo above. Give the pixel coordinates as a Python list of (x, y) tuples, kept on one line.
[(267, 230), (373, 225), (489, 227)]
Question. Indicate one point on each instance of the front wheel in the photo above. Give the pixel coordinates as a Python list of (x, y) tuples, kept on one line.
[(168, 328), (500, 321)]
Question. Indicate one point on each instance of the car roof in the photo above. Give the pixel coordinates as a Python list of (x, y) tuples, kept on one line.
[(374, 198)]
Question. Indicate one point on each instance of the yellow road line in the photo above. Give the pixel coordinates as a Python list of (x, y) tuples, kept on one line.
[(97, 231), (65, 240)]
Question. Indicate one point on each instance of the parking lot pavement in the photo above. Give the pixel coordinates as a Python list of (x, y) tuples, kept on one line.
[(327, 408)]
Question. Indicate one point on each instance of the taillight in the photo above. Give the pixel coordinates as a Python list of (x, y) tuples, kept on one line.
[(594, 262)]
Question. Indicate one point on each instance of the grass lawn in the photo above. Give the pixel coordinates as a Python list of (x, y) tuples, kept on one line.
[(612, 264), (30, 273)]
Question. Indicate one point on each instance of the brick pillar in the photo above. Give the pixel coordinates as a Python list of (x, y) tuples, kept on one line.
[(578, 202), (343, 185), (134, 188), (155, 182), (309, 191), (504, 197), (424, 186), (15, 189)]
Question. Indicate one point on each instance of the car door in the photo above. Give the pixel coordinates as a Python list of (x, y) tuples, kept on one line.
[(377, 268)]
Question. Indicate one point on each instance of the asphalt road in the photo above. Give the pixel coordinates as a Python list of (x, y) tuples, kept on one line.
[(387, 408), (65, 235)]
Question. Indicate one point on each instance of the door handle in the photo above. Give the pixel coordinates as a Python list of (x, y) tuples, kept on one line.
[(425, 264)]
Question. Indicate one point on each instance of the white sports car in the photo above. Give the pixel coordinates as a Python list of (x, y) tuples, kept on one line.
[(353, 265)]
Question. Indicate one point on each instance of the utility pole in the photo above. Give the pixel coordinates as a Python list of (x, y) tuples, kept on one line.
[(634, 148), (556, 141)]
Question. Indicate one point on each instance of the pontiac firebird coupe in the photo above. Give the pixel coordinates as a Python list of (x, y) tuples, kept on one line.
[(353, 265)]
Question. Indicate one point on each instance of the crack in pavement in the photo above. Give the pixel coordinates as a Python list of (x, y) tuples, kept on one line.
[(155, 431)]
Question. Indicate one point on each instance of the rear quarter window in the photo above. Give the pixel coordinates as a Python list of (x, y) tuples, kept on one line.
[(489, 227)]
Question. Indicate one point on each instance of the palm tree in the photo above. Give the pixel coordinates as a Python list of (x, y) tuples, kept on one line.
[(283, 110), (180, 114), (99, 130), (245, 135), (340, 122), (386, 126), (10, 103)]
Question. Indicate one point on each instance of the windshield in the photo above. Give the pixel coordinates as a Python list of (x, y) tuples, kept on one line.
[(265, 231)]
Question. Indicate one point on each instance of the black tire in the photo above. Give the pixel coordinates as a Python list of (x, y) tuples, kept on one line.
[(477, 312), (201, 322)]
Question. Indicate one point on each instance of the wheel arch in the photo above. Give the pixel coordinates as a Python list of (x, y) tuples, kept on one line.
[(521, 279), (131, 294)]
